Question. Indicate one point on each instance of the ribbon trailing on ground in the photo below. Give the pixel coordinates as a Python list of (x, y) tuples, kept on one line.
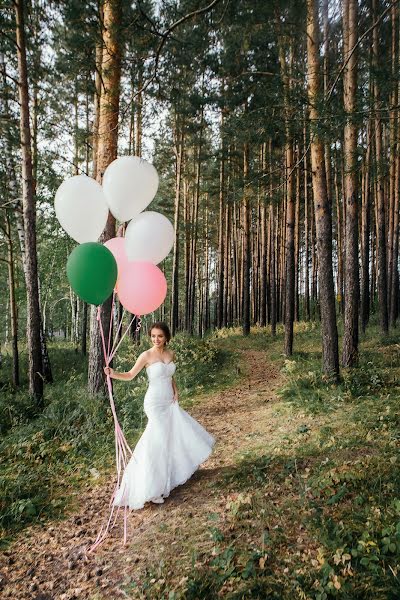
[(122, 450)]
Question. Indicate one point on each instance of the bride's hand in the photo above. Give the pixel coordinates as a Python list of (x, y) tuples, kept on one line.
[(109, 371)]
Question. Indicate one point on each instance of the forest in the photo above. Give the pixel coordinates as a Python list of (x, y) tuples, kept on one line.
[(274, 128)]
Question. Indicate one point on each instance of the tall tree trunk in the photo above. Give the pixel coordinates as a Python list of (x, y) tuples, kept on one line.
[(187, 255), (13, 303), (393, 99), (352, 292), (394, 300), (227, 305), (381, 225), (139, 110), (339, 240), (394, 296), (314, 268), (132, 116), (255, 264), (365, 233), (263, 246), (175, 266), (290, 203), (326, 39), (297, 241), (193, 255), (282, 262), (246, 244), (306, 235), (107, 150), (323, 218), (35, 365), (272, 225), (98, 90), (220, 288), (206, 283), (196, 202), (84, 329), (289, 250), (235, 266), (36, 58)]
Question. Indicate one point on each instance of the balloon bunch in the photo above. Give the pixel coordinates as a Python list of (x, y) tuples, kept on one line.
[(128, 263)]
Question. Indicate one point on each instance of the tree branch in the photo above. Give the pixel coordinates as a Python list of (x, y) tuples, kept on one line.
[(360, 39), (164, 38)]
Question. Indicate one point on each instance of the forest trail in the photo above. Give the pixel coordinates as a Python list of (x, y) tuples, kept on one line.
[(50, 562)]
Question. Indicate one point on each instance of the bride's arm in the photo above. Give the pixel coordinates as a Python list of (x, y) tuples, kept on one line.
[(137, 367), (174, 386), (175, 390)]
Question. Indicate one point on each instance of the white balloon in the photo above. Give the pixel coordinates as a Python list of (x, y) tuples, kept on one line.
[(130, 184), (81, 208), (149, 237)]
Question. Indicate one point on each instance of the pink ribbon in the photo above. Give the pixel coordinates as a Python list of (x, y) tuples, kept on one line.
[(122, 450)]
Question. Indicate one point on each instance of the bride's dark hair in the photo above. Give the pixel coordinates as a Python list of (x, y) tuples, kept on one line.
[(164, 328)]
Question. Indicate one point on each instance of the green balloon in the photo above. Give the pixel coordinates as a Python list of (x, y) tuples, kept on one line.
[(92, 272)]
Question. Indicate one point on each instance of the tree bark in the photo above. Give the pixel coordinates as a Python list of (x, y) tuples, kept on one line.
[(290, 203), (352, 292), (246, 244), (323, 218), (365, 234), (272, 225), (107, 150), (187, 247), (381, 225), (393, 99), (97, 94), (13, 303), (394, 300), (175, 266), (297, 241), (306, 235), (35, 365), (289, 250), (263, 246), (394, 289), (221, 299)]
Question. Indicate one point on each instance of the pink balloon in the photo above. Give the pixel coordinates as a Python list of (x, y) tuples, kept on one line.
[(141, 287), (117, 248)]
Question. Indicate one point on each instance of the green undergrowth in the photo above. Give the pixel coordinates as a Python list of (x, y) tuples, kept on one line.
[(310, 510), (47, 457)]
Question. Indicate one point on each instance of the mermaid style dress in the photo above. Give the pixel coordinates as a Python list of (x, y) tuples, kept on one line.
[(172, 446)]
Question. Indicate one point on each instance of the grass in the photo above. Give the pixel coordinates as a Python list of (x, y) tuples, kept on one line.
[(311, 510), (310, 506)]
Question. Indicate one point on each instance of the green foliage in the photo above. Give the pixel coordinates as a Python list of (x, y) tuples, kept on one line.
[(352, 505), (318, 513), (307, 387), (63, 443)]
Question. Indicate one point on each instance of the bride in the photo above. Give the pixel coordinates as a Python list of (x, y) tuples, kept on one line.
[(173, 445)]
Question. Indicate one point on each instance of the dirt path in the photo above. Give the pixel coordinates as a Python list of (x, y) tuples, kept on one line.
[(51, 563)]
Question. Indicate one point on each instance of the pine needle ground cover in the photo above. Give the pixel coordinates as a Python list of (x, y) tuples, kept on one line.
[(310, 507)]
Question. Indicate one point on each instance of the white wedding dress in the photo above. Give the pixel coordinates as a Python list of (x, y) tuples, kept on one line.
[(172, 446)]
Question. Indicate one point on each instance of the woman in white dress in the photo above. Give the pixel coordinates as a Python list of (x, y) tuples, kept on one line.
[(173, 445)]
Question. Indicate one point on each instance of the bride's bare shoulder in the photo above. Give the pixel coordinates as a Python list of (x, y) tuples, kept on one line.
[(144, 357)]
